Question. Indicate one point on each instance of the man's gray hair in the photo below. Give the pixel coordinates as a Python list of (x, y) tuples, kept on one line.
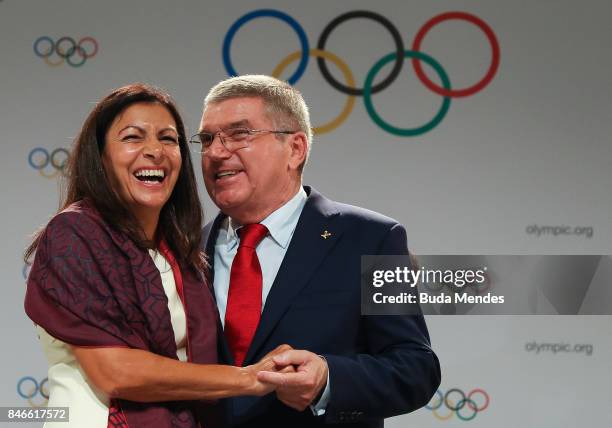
[(284, 104)]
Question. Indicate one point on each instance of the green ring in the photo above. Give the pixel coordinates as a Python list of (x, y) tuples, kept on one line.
[(406, 132), (460, 406), (73, 52)]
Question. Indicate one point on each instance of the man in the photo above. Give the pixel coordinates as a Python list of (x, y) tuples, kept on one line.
[(285, 264)]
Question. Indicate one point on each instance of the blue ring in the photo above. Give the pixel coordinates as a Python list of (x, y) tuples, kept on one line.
[(438, 392), (19, 387), (40, 39), (271, 13), (38, 149)]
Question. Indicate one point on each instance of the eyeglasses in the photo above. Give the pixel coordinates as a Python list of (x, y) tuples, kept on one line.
[(232, 139)]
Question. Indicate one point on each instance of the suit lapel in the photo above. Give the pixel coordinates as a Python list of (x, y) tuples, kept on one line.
[(210, 234), (307, 250)]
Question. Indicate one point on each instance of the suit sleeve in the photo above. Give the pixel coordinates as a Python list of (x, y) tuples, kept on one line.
[(398, 374)]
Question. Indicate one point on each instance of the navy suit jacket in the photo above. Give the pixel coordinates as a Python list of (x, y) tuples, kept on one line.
[(379, 366)]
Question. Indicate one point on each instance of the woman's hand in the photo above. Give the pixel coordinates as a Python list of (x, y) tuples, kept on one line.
[(137, 375), (267, 363)]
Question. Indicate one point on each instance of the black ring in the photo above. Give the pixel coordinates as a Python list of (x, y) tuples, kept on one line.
[(70, 51), (462, 401), (399, 52), (62, 165), (40, 388)]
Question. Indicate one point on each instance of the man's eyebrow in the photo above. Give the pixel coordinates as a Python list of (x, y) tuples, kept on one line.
[(236, 124)]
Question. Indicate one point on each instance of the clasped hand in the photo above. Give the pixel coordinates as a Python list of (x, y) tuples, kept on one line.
[(297, 376)]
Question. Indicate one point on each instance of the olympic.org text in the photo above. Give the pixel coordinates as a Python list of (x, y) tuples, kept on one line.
[(579, 348), (538, 230)]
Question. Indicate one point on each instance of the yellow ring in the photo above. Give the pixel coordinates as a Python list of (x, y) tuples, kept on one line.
[(348, 76), (37, 405), (445, 417), (53, 64), (49, 176), (31, 402)]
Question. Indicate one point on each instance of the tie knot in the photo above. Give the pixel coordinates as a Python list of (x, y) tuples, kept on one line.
[(252, 234)]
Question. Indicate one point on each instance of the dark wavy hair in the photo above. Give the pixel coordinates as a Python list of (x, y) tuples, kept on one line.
[(180, 221)]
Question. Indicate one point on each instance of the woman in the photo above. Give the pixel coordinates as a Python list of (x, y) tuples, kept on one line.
[(117, 286)]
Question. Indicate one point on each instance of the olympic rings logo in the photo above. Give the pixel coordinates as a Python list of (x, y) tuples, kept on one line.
[(348, 88), (457, 403), (49, 165), (65, 49), (28, 388)]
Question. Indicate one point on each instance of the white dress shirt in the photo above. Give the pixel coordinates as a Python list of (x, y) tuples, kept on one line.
[(271, 251)]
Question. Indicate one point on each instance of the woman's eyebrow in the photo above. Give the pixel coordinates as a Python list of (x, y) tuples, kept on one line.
[(169, 128), (131, 126)]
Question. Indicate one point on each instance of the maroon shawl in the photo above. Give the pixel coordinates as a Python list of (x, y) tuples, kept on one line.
[(90, 285)]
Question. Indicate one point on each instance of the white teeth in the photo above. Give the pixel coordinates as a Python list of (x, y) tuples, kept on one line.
[(150, 173), (226, 173)]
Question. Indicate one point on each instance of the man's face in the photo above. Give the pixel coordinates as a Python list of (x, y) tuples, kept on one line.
[(254, 181)]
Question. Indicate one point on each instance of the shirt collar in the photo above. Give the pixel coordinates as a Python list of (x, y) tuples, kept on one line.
[(280, 223)]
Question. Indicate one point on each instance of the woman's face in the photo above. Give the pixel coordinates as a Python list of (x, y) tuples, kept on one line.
[(142, 157)]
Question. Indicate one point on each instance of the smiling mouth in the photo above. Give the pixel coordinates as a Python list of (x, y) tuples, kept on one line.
[(150, 175), (228, 173)]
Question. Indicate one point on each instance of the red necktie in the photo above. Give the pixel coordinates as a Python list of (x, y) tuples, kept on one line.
[(244, 298)]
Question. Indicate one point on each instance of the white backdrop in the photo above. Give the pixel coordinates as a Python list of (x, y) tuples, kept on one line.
[(531, 148)]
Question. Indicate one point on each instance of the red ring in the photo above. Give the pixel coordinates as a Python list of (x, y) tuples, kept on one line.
[(485, 395), (455, 93), (93, 42)]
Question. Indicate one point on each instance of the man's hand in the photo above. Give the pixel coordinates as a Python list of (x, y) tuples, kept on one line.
[(297, 390)]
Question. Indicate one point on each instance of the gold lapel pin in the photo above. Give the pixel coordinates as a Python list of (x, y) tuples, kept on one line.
[(325, 234)]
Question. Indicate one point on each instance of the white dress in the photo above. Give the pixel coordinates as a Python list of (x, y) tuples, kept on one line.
[(68, 385)]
